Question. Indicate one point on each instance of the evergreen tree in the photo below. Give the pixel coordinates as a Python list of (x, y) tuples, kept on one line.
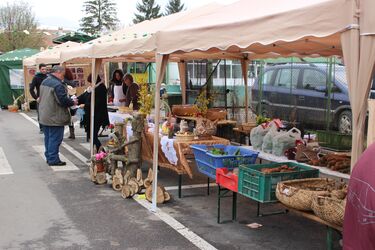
[(147, 9), (100, 15), (18, 27), (174, 6)]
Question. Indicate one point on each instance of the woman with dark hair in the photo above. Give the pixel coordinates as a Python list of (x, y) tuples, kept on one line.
[(100, 114), (69, 80), (117, 88), (132, 95)]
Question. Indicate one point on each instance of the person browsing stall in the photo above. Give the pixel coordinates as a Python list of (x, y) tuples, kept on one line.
[(101, 112), (54, 113), (35, 85), (132, 95)]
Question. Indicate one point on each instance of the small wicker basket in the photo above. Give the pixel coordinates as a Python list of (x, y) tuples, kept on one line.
[(182, 137), (329, 209), (298, 194)]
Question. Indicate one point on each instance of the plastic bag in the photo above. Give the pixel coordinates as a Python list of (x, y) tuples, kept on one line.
[(268, 139), (285, 141), (257, 135)]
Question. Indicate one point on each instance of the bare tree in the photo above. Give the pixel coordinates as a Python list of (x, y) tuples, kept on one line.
[(18, 27)]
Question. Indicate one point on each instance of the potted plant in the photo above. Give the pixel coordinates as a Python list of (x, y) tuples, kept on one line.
[(99, 161)]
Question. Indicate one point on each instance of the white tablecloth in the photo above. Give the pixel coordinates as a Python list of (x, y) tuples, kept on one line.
[(117, 117)]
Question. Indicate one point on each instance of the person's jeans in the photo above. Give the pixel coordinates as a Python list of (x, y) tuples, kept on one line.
[(37, 112), (53, 136)]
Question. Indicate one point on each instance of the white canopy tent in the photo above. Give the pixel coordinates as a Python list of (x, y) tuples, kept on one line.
[(287, 28)]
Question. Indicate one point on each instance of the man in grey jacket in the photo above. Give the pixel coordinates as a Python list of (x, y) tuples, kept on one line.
[(54, 113)]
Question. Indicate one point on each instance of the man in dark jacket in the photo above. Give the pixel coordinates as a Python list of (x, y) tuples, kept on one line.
[(54, 113), (35, 85)]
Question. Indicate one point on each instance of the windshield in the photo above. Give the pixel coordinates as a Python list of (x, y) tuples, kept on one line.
[(339, 74)]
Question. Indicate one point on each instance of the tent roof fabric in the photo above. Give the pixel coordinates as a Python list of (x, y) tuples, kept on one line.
[(273, 29), (133, 41), (17, 55), (290, 27), (77, 37), (49, 56)]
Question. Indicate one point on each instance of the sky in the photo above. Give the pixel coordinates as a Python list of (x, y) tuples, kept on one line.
[(67, 13)]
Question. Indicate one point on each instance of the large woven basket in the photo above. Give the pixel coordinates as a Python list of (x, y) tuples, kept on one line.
[(329, 209), (298, 194)]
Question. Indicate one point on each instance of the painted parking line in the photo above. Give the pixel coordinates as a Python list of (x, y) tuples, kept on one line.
[(68, 167), (177, 226), (85, 146), (74, 152), (5, 167)]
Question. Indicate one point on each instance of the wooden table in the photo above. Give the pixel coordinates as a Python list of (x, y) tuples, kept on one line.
[(183, 151), (221, 122)]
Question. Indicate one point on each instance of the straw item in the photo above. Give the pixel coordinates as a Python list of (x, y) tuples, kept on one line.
[(298, 194), (329, 209)]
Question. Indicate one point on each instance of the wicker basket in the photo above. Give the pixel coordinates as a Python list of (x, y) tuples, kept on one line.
[(182, 137), (248, 126), (329, 209), (298, 194)]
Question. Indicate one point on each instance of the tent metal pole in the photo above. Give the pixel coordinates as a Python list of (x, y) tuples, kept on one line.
[(161, 63)]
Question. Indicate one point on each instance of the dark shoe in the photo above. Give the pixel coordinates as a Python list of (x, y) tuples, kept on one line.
[(61, 163)]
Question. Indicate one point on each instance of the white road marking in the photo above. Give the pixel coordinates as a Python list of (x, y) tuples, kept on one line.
[(68, 167), (75, 152), (86, 146), (190, 186), (66, 146), (173, 223), (5, 167)]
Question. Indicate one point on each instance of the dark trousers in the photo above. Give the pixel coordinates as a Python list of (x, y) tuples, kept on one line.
[(53, 136), (96, 140)]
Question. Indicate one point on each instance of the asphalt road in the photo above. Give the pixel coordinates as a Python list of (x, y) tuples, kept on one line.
[(41, 208)]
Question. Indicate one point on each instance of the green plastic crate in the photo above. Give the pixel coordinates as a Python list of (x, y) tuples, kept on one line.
[(334, 140), (261, 187)]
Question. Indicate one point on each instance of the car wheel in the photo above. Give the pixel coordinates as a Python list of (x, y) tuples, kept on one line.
[(344, 122)]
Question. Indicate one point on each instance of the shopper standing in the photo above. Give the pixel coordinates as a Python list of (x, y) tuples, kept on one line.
[(359, 219), (54, 113), (101, 112), (35, 85)]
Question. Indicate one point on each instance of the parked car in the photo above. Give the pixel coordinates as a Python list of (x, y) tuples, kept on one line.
[(299, 93)]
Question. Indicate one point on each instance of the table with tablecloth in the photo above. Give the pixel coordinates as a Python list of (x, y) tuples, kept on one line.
[(180, 148)]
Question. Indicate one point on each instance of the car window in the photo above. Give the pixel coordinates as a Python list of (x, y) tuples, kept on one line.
[(267, 77), (313, 79), (286, 77)]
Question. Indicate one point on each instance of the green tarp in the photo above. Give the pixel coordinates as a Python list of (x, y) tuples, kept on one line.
[(11, 74)]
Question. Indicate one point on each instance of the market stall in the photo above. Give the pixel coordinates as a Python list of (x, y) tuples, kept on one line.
[(12, 76), (50, 56), (229, 33)]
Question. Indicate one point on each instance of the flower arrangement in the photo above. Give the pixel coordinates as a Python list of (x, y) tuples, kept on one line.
[(145, 99), (202, 102), (100, 156)]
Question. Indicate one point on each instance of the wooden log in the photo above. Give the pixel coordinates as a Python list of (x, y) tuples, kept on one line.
[(101, 178), (167, 196), (117, 183), (126, 177), (134, 185), (92, 177), (159, 194), (126, 192), (147, 183)]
